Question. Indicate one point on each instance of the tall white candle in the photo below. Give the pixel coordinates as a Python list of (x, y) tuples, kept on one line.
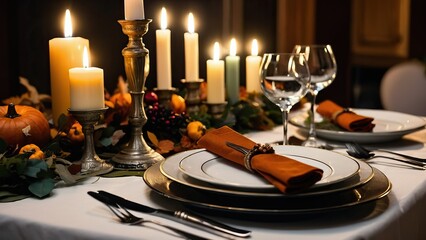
[(232, 73), (164, 69), (134, 10), (191, 51), (252, 69), (86, 86), (64, 53), (215, 77)]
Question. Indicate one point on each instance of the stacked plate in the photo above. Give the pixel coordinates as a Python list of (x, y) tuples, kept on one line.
[(202, 179)]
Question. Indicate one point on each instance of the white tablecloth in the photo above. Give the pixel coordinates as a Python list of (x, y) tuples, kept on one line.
[(71, 214)]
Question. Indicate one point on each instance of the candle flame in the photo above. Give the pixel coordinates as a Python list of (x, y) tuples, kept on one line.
[(233, 50), (85, 58), (254, 48), (216, 51), (163, 18), (68, 24), (191, 23)]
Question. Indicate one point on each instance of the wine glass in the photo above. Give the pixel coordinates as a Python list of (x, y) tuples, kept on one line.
[(323, 68), (284, 80)]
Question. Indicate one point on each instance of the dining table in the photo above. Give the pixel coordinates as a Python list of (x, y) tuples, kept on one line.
[(70, 213)]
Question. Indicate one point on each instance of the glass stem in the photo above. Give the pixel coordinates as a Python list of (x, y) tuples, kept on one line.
[(312, 130), (285, 125)]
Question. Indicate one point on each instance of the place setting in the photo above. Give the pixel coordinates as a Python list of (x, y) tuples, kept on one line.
[(229, 173), (220, 185), (388, 126)]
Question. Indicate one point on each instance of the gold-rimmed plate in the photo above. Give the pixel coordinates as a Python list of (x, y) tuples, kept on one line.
[(205, 166), (377, 188), (364, 175)]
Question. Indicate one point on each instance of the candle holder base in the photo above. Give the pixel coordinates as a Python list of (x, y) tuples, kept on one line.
[(165, 97), (192, 96), (90, 162), (216, 110), (131, 158)]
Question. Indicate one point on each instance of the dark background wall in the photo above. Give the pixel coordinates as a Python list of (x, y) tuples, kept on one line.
[(28, 25)]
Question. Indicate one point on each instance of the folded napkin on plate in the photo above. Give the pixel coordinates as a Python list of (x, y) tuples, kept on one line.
[(287, 174), (345, 118)]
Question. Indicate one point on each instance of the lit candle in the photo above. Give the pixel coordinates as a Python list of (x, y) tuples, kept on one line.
[(191, 51), (232, 73), (164, 69), (86, 86), (252, 69), (215, 77), (134, 10), (64, 53)]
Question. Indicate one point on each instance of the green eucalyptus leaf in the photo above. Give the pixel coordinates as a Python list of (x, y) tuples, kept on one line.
[(34, 167), (16, 164), (32, 172), (106, 142), (42, 188), (6, 196), (108, 131)]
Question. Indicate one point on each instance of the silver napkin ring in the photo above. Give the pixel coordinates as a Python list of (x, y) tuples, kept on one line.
[(335, 115), (257, 149)]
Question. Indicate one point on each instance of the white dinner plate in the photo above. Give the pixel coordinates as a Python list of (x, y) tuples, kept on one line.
[(175, 174), (389, 126), (208, 167)]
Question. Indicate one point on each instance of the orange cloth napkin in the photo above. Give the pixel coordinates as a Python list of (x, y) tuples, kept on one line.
[(288, 175), (345, 119)]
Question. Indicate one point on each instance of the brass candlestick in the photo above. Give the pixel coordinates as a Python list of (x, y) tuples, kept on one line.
[(192, 96), (137, 155), (90, 162)]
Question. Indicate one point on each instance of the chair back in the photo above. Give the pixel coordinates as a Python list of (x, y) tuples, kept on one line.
[(403, 88)]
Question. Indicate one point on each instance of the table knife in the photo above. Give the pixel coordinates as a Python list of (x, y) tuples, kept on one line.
[(183, 217)]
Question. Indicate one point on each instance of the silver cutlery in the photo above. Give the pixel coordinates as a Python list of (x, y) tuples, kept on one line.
[(399, 154), (357, 151), (128, 218), (190, 219)]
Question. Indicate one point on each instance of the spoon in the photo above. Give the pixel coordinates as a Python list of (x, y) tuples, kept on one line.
[(357, 151)]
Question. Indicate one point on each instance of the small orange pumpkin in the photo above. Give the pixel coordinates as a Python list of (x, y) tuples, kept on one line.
[(21, 125), (34, 149), (195, 130), (75, 133)]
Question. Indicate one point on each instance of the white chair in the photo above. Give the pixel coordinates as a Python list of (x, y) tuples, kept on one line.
[(403, 88)]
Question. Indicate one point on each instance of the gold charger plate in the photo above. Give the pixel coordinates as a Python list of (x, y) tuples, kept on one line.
[(378, 187)]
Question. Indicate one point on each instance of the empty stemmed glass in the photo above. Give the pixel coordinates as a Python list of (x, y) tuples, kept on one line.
[(322, 68), (284, 80)]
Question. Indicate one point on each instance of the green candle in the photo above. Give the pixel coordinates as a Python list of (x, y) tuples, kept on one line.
[(232, 74)]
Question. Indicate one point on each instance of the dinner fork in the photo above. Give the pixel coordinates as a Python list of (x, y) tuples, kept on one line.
[(128, 218), (355, 150)]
